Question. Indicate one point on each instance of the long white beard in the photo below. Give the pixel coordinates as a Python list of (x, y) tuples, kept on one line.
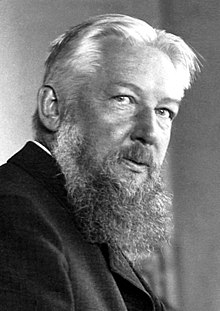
[(130, 218)]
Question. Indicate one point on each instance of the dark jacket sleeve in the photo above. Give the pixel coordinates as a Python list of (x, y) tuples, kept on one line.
[(33, 268)]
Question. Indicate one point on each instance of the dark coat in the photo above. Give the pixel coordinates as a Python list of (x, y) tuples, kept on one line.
[(44, 262)]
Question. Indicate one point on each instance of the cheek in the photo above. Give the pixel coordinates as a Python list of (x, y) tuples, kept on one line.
[(108, 137), (110, 125), (164, 143), (163, 136)]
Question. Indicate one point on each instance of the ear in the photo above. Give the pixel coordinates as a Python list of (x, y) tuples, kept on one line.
[(48, 108)]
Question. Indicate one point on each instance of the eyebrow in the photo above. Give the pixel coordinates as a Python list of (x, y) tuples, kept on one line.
[(171, 100), (126, 84)]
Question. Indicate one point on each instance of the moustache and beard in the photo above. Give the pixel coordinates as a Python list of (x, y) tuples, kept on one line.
[(130, 217)]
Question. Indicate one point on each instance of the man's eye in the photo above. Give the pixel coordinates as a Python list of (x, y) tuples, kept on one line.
[(123, 99), (165, 113)]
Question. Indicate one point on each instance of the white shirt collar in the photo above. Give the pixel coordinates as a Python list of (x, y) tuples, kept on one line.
[(42, 147)]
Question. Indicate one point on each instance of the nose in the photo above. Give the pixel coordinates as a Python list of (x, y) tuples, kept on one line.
[(145, 130)]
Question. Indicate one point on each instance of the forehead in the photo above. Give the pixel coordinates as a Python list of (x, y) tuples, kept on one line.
[(145, 67)]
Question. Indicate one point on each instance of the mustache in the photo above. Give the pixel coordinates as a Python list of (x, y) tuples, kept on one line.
[(138, 154)]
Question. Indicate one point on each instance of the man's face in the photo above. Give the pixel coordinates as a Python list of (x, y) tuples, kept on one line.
[(128, 107), (112, 145)]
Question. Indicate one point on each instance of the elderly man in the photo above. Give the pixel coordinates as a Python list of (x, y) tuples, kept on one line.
[(84, 202)]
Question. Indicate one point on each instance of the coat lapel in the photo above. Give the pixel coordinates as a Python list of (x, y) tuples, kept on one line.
[(121, 266)]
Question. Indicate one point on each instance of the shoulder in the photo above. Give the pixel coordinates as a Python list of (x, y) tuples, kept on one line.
[(27, 208)]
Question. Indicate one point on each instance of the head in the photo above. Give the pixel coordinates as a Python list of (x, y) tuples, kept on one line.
[(111, 91)]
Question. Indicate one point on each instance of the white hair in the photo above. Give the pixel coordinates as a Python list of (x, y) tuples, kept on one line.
[(79, 49)]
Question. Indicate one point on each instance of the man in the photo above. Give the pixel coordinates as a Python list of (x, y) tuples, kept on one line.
[(84, 203)]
